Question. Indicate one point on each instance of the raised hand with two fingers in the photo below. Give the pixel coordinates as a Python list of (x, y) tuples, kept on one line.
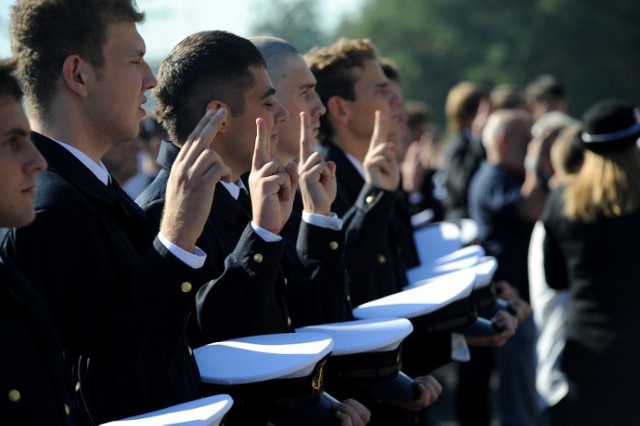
[(192, 182), (272, 185)]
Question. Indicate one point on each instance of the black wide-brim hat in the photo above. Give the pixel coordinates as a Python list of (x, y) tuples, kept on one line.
[(610, 125)]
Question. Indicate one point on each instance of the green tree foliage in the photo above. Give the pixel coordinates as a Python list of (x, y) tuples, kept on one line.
[(590, 45), (296, 21)]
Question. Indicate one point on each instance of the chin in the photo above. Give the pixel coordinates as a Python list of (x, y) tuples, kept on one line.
[(18, 219)]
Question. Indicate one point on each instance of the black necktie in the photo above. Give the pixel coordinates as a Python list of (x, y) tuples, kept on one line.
[(244, 200)]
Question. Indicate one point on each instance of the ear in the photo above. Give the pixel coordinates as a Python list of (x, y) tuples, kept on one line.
[(502, 144), (338, 110), (75, 72), (214, 106)]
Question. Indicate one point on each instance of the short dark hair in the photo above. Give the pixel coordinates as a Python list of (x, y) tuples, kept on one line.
[(390, 69), (544, 88), (333, 67), (45, 32), (204, 66), (9, 86)]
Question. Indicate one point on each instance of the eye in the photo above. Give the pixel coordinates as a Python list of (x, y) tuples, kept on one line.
[(12, 143)]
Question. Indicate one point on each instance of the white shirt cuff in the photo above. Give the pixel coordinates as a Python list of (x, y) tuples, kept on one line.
[(195, 260), (330, 221), (267, 236), (459, 349)]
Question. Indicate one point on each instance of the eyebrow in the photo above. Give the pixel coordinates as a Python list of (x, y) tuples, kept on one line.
[(307, 86), (270, 92), (137, 53), (14, 131)]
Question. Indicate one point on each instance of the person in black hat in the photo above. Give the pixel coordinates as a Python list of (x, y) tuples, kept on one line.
[(591, 247)]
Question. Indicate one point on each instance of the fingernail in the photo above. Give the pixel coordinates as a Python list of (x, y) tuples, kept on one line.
[(208, 113)]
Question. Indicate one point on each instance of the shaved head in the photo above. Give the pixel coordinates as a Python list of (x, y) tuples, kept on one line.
[(278, 55)]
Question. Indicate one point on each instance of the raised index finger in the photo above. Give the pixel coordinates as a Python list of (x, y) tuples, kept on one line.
[(305, 137), (261, 154), (380, 131)]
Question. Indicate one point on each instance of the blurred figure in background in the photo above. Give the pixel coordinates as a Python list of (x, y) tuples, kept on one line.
[(545, 94), (506, 197), (507, 96), (149, 138), (121, 160), (593, 217), (550, 305), (466, 108), (422, 175)]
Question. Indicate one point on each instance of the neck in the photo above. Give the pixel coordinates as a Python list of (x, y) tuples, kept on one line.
[(351, 145), (73, 129)]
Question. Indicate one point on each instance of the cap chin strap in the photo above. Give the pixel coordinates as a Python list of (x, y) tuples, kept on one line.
[(607, 137)]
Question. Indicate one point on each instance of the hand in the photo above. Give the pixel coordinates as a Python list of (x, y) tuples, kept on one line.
[(380, 164), (430, 389), (318, 183), (502, 320), (412, 169), (521, 309), (272, 185), (351, 413), (192, 183), (506, 291)]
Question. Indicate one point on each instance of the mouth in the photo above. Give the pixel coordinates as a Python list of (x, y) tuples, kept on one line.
[(30, 191)]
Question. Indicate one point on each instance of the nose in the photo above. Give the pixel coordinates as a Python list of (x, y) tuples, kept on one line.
[(395, 99), (281, 113), (34, 161), (148, 79), (319, 109)]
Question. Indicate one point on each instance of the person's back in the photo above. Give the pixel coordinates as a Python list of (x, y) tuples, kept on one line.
[(585, 220)]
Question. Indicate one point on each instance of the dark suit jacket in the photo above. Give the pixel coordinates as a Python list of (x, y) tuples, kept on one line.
[(462, 160), (245, 294), (35, 380), (598, 262), (315, 270), (117, 299), (379, 246)]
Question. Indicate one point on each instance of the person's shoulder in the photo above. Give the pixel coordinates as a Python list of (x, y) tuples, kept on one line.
[(55, 192)]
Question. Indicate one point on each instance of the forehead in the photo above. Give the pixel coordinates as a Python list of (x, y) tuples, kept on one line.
[(370, 75), (262, 87), (124, 38), (297, 76), (12, 115)]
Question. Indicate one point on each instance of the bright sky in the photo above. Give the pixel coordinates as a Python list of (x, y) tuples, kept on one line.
[(169, 21)]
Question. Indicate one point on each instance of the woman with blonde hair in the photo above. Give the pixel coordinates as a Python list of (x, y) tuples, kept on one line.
[(591, 247)]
